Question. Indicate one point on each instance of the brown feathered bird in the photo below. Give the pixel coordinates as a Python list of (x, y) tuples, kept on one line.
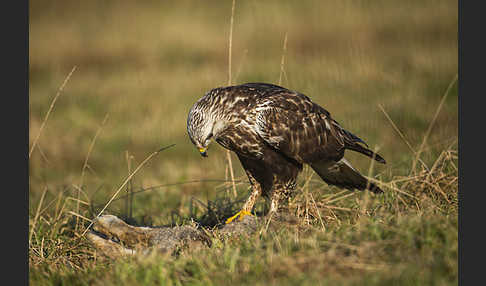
[(274, 131)]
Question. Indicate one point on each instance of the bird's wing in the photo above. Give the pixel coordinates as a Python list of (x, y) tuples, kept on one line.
[(343, 175), (300, 129)]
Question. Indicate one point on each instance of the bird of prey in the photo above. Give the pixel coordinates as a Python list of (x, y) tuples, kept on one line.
[(274, 131)]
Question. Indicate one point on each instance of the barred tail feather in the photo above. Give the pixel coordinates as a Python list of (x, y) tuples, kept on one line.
[(367, 152), (353, 142)]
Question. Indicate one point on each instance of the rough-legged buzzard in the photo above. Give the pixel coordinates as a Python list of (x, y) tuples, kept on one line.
[(274, 131)]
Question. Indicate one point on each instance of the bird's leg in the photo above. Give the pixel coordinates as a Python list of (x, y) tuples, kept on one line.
[(250, 202), (274, 201), (279, 199)]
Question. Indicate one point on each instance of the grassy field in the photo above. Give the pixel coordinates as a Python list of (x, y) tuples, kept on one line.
[(130, 71)]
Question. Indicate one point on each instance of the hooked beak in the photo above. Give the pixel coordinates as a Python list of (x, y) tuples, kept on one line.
[(202, 151)]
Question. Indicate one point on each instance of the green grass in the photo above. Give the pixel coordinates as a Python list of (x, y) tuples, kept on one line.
[(145, 64)]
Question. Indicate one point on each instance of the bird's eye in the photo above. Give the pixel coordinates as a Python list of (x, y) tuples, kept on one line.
[(208, 139)]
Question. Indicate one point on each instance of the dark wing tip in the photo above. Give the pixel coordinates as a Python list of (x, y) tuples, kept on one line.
[(379, 158), (355, 138), (375, 189)]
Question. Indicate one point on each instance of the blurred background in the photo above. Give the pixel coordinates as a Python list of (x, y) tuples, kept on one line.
[(142, 64)]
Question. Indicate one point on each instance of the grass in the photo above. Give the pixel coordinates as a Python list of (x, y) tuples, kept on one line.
[(386, 71)]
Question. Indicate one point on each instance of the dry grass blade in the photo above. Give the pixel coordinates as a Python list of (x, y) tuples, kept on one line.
[(232, 174), (36, 217), (372, 165), (434, 167), (340, 198), (282, 62), (367, 267), (338, 208), (390, 186), (406, 179), (230, 41), (50, 110), (230, 45), (129, 198), (335, 195), (226, 183), (365, 201), (400, 133), (91, 146), (318, 213), (305, 190), (245, 53), (43, 155), (78, 215), (427, 133), (264, 229), (85, 164), (126, 181), (78, 201)]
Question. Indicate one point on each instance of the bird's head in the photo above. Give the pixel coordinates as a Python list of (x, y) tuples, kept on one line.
[(202, 127)]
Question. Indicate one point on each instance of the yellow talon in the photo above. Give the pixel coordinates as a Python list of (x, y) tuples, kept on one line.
[(241, 214)]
